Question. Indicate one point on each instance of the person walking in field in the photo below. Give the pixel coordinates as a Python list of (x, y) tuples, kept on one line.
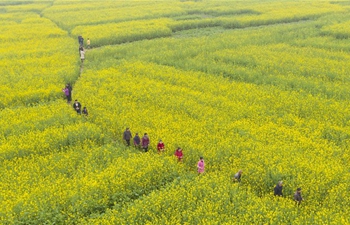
[(200, 165), (70, 92), (88, 43), (82, 55), (77, 106), (67, 94), (277, 191), (85, 111), (179, 154), (160, 147), (127, 136), (237, 176), (81, 48), (80, 40), (145, 142), (297, 197), (137, 140)]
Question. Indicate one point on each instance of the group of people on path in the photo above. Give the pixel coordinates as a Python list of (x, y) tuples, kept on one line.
[(81, 41), (68, 88), (76, 105), (144, 144), (277, 191), (81, 47), (77, 108), (138, 142)]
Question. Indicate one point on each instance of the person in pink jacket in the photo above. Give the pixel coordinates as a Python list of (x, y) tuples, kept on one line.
[(179, 154), (201, 165)]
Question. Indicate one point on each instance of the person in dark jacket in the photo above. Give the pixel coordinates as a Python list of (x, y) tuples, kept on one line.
[(297, 197), (77, 106), (127, 136), (85, 111), (277, 191), (145, 142), (81, 40), (70, 91), (137, 140)]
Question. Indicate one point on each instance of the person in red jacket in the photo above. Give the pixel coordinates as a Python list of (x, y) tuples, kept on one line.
[(179, 154), (160, 147), (145, 142)]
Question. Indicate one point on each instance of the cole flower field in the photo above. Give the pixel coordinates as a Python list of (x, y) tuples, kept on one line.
[(259, 86)]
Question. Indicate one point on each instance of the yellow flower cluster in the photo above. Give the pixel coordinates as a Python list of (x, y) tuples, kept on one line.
[(36, 60), (339, 30), (118, 12), (116, 33), (67, 186), (234, 126)]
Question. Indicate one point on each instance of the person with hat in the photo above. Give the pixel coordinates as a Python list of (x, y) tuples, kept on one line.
[(277, 191), (160, 146), (297, 197), (200, 165)]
